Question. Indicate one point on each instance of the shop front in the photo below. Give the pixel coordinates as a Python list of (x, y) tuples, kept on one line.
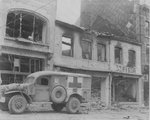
[(125, 88)]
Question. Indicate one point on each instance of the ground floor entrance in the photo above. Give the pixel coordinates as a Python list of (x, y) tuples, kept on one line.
[(126, 89)]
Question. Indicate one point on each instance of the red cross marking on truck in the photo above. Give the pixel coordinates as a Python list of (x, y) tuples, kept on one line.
[(75, 83)]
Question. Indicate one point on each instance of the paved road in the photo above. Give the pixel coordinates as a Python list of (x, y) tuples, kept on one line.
[(95, 115)]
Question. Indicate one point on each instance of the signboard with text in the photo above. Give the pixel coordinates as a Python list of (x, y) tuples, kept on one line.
[(125, 69)]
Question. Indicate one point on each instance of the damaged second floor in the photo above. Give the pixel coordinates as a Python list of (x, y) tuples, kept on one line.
[(78, 48)]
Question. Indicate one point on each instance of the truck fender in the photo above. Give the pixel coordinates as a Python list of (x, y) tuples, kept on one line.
[(74, 95), (27, 97)]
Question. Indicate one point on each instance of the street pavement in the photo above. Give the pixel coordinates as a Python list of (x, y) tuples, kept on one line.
[(45, 114)]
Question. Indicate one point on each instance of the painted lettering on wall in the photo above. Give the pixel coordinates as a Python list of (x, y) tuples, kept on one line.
[(125, 69)]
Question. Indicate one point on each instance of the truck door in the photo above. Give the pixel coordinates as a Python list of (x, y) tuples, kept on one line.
[(42, 89)]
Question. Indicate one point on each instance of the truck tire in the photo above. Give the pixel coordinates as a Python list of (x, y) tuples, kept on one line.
[(73, 105), (17, 104), (57, 107), (58, 94)]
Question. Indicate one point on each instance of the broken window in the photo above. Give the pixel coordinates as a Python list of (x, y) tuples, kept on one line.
[(67, 46), (24, 25), (132, 58), (101, 52), (118, 55), (86, 49)]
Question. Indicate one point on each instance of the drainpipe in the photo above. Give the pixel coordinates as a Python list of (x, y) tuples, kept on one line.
[(110, 76)]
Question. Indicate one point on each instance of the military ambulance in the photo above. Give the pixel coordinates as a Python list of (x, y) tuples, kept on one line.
[(60, 89)]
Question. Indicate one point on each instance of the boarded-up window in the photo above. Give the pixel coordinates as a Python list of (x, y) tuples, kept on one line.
[(132, 58), (101, 52), (86, 49), (24, 25), (67, 46), (118, 55)]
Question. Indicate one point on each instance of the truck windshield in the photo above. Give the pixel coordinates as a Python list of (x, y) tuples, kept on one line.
[(29, 80)]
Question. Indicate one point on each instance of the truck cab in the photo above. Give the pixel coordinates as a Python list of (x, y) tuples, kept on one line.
[(61, 89)]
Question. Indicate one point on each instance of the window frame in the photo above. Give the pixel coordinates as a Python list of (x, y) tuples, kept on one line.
[(102, 45), (39, 81), (147, 28), (31, 37), (120, 56), (71, 45), (91, 46), (131, 62)]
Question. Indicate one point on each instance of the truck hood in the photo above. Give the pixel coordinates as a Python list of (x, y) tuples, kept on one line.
[(13, 86)]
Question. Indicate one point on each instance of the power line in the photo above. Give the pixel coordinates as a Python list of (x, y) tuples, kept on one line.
[(26, 15)]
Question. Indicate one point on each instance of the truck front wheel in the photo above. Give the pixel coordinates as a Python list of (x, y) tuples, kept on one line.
[(17, 104), (73, 105)]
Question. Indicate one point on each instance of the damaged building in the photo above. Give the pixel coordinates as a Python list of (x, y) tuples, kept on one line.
[(25, 38), (113, 63), (32, 39)]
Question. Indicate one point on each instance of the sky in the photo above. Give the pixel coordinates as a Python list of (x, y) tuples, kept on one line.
[(69, 10)]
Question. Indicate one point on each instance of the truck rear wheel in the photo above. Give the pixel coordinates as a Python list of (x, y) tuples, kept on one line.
[(73, 105), (57, 107), (17, 104)]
